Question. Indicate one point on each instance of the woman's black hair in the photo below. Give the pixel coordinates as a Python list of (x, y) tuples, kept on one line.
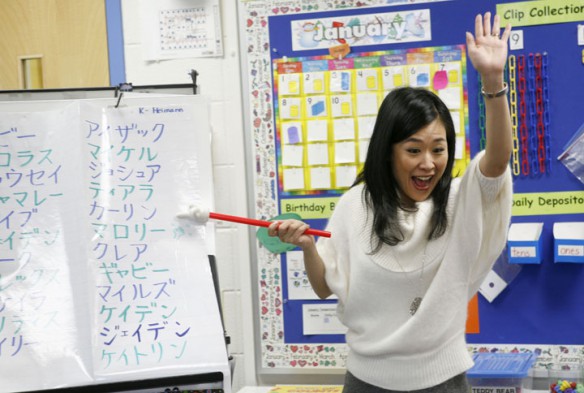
[(403, 112)]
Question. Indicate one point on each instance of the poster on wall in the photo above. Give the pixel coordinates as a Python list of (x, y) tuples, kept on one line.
[(175, 29)]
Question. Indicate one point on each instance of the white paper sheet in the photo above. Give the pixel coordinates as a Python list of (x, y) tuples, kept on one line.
[(367, 104), (316, 130), (318, 154), (321, 319), (293, 179), (343, 129), (292, 155), (320, 178), (345, 175), (173, 29), (344, 152)]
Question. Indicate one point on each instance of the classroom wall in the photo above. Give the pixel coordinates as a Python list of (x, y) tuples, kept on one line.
[(220, 80)]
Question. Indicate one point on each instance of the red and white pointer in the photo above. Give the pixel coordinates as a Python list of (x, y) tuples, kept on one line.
[(202, 215)]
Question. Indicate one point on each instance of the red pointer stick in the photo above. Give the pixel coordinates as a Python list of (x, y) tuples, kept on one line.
[(261, 223)]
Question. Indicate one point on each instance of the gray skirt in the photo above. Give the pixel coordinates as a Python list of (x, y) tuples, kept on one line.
[(458, 384)]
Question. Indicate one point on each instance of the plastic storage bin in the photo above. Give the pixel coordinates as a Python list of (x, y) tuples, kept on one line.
[(538, 380), (500, 372), (572, 375)]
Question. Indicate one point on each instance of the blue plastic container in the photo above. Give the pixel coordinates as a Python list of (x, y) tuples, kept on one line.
[(500, 372)]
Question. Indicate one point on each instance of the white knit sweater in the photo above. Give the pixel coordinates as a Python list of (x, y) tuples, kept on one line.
[(389, 348)]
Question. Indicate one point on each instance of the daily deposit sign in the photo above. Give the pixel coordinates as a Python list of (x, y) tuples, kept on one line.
[(537, 204)]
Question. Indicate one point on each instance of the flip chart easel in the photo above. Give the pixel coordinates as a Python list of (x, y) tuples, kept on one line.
[(99, 282)]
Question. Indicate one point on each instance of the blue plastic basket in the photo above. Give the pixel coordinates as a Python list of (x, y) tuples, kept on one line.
[(501, 365), (500, 369)]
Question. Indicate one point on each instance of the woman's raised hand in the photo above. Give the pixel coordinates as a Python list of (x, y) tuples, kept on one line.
[(487, 49)]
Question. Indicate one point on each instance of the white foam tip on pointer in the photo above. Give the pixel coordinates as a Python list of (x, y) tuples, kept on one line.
[(197, 213)]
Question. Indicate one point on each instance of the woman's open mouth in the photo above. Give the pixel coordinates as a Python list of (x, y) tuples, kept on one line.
[(422, 183)]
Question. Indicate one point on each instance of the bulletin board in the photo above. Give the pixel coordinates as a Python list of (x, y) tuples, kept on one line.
[(100, 282), (309, 122)]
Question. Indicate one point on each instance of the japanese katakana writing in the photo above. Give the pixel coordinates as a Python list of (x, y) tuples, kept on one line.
[(31, 177), (137, 303), (83, 215)]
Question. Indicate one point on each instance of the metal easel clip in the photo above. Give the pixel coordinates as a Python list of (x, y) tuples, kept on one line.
[(122, 87), (194, 75)]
